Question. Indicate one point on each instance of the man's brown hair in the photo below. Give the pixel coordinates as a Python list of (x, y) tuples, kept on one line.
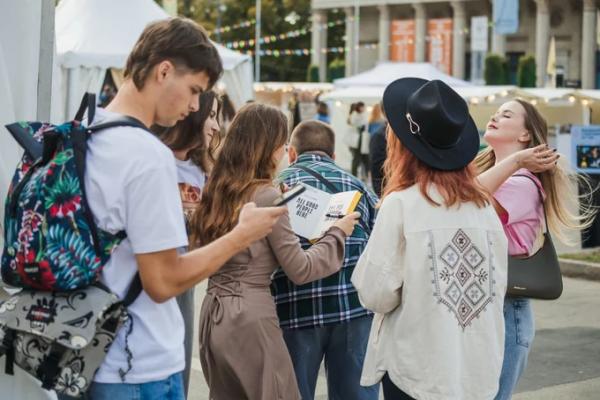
[(313, 136), (179, 40)]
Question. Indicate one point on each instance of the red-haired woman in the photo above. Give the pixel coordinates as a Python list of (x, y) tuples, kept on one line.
[(434, 269)]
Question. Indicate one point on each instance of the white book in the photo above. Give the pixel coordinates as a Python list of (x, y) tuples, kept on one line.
[(308, 212)]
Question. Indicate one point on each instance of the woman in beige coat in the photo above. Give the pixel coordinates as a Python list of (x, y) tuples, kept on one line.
[(242, 351)]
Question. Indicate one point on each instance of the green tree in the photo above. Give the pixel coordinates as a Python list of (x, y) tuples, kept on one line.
[(337, 69), (495, 70), (278, 16), (312, 75), (526, 75)]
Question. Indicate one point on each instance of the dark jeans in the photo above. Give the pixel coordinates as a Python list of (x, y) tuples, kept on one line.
[(391, 391), (343, 346), (359, 159)]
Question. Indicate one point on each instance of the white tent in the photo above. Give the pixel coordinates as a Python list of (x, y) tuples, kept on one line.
[(386, 72), (94, 35)]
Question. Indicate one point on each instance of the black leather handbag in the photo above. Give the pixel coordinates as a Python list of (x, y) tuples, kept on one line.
[(538, 276)]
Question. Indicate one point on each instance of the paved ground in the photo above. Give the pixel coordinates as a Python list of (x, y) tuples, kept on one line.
[(565, 358)]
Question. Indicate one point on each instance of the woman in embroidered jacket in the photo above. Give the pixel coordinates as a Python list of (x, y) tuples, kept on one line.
[(434, 269), (242, 351), (519, 201)]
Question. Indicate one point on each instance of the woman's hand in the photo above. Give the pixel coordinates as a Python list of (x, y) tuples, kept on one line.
[(348, 223), (537, 159)]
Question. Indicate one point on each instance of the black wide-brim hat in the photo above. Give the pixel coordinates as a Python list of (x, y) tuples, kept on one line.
[(432, 121)]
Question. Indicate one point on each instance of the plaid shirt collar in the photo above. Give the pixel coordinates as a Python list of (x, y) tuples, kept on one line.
[(313, 156)]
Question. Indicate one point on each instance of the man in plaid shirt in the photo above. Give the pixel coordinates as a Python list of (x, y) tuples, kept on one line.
[(325, 318)]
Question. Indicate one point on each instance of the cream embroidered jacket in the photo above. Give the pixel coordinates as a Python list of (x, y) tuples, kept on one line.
[(436, 278)]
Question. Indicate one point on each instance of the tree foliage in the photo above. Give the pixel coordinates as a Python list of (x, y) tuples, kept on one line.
[(273, 22), (496, 70), (274, 13), (526, 75)]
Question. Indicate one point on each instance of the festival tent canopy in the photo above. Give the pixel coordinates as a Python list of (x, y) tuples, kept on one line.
[(545, 94), (372, 94), (386, 72), (95, 35)]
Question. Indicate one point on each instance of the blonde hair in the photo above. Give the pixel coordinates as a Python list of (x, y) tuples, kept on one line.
[(376, 114), (560, 199)]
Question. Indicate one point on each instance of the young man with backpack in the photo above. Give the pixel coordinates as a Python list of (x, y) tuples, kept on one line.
[(324, 319), (131, 186)]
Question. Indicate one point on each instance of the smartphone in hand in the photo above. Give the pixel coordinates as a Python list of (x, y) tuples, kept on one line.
[(289, 195)]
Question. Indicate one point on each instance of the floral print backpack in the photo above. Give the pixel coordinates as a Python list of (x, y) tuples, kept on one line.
[(60, 326), (51, 241)]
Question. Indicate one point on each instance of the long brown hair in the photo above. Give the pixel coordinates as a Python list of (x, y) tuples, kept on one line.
[(403, 170), (189, 133), (561, 199), (245, 162)]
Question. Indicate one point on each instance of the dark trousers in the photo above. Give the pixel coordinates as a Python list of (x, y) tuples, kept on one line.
[(343, 346), (359, 159), (391, 391)]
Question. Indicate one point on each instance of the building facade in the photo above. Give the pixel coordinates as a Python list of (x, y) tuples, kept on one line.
[(441, 33)]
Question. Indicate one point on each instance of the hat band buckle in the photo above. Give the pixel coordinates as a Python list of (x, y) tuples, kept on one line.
[(415, 129)]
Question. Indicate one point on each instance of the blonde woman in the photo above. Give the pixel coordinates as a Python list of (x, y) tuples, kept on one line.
[(515, 129), (376, 119)]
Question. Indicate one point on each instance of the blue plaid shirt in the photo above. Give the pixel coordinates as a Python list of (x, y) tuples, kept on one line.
[(333, 299)]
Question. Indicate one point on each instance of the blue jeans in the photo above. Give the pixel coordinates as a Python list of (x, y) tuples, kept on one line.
[(519, 333), (167, 389), (343, 346)]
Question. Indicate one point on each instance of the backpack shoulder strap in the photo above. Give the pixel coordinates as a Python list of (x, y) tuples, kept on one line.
[(123, 120), (319, 177), (134, 290), (79, 139)]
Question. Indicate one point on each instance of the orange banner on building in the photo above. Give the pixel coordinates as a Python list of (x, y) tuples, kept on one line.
[(439, 44), (402, 40)]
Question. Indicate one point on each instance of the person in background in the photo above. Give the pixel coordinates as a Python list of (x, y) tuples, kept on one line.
[(434, 270), (227, 113), (106, 95), (323, 113), (324, 318), (357, 139), (242, 350), (193, 141), (376, 119), (518, 127), (378, 153)]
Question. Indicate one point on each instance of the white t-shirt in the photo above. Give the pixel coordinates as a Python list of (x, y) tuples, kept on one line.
[(131, 185), (190, 179)]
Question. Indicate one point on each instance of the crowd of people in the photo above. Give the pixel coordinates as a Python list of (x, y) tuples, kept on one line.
[(406, 293)]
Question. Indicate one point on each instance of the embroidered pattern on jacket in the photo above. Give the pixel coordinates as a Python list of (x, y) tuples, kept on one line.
[(462, 277)]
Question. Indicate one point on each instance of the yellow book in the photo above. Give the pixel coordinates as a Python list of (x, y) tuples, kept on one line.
[(308, 212)]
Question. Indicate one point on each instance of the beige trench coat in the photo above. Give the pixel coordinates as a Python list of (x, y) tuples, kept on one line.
[(242, 350)]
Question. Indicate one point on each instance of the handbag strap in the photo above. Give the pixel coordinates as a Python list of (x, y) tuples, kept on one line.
[(541, 198)]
